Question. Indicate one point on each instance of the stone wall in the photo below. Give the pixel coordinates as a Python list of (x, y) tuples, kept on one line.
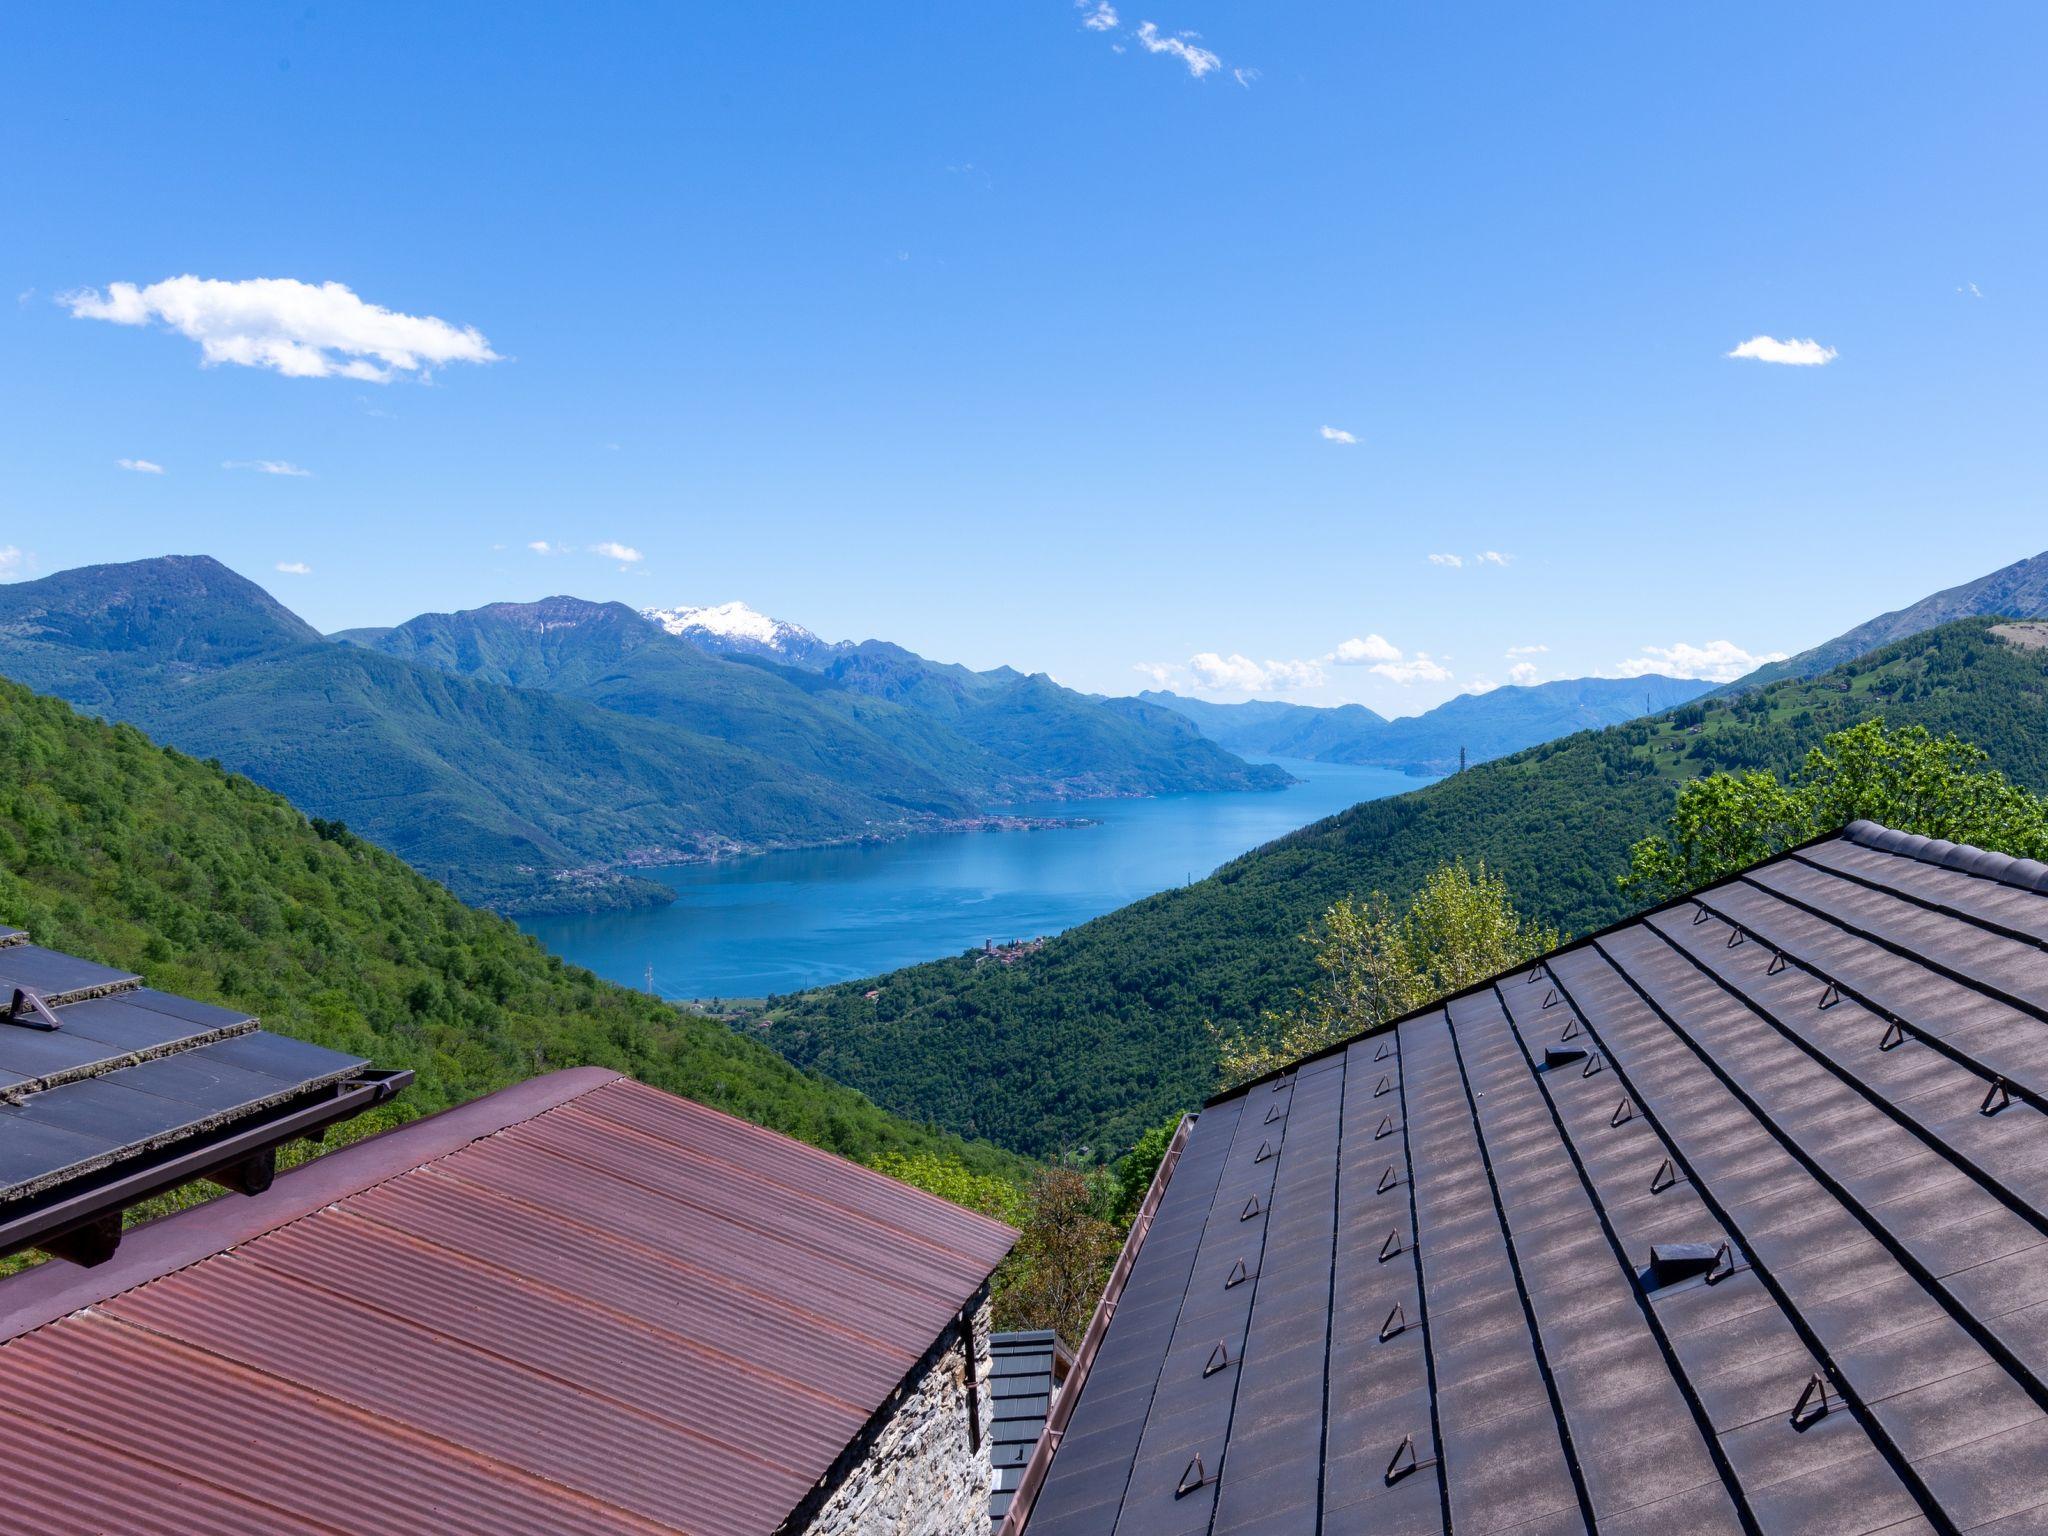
[(921, 1471)]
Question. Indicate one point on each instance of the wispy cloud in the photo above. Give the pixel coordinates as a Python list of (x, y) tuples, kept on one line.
[(295, 567), (302, 330), (1798, 354), (1362, 652), (1234, 672), (1719, 661), (543, 547), (1337, 435), (1452, 561), (1419, 668), (268, 467), (1526, 650), (14, 562), (1491, 557), (1523, 673), (1972, 290), (1184, 47), (612, 549), (141, 466), (1179, 45), (1240, 674)]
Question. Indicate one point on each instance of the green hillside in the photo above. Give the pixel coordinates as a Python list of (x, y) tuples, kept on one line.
[(134, 855), (1099, 1035)]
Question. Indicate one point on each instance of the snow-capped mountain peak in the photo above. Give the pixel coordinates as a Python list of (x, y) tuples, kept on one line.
[(728, 627)]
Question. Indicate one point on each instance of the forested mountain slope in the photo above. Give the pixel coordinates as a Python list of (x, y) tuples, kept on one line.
[(1097, 1036), (497, 790), (2018, 591), (127, 853)]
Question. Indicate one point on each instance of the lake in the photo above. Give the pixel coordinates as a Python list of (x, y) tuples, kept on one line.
[(784, 921)]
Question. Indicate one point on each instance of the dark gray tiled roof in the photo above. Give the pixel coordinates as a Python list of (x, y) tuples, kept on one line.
[(1022, 1366), (128, 1071), (1731, 1218)]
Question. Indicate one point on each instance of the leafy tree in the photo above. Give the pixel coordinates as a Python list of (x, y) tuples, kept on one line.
[(1911, 779), (1376, 965), (1055, 1274)]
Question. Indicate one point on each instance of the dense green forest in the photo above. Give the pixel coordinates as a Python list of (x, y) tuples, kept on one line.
[(1096, 1037), (136, 855)]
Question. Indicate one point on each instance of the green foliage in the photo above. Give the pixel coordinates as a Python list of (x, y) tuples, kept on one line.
[(134, 855), (950, 1179), (1098, 1036), (1909, 779), (1136, 1168), (1374, 965)]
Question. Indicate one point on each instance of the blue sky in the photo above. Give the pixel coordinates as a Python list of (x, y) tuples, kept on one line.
[(1013, 338)]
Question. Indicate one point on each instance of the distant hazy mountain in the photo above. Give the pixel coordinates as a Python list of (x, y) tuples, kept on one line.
[(2019, 591), (1484, 725)]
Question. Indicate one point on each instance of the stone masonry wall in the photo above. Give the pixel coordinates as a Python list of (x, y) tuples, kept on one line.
[(921, 1475)]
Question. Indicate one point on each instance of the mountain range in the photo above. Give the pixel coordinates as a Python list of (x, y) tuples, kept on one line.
[(531, 754), (1471, 728)]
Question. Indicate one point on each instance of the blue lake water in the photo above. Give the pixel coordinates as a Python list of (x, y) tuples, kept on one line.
[(784, 921)]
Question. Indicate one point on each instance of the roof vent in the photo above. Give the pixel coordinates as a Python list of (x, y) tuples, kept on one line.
[(1555, 1056)]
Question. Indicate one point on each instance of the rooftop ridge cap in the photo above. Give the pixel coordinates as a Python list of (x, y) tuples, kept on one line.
[(1964, 858)]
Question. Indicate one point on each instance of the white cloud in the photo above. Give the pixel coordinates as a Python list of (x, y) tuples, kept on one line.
[(1491, 557), (1101, 15), (612, 549), (543, 547), (1159, 672), (1799, 354), (1522, 673), (13, 563), (1719, 661), (1240, 674), (1526, 650), (1199, 60), (302, 330), (1453, 561), (1972, 290), (268, 467), (1358, 653), (1338, 435), (1479, 685), (1419, 668), (141, 466), (295, 567), (1244, 77)]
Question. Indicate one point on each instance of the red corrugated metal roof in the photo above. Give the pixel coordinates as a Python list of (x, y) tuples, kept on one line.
[(578, 1305)]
